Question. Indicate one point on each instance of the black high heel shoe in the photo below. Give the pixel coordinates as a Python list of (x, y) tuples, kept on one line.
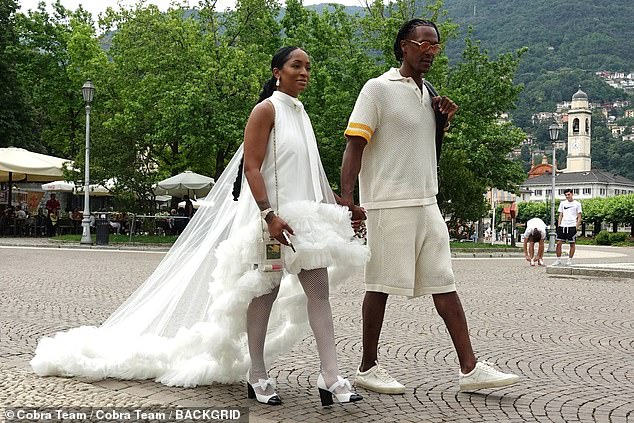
[(273, 399), (326, 393)]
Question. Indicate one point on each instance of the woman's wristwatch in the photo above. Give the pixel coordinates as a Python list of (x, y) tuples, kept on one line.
[(265, 213)]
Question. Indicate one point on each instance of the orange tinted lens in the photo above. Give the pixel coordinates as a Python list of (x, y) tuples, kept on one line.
[(434, 48)]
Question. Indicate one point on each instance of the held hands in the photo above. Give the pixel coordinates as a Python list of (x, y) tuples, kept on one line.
[(276, 226), (358, 214)]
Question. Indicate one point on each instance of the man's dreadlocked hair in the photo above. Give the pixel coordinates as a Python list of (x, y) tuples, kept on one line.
[(405, 31)]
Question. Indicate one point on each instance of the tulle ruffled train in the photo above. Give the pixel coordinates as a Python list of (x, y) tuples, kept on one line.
[(214, 349)]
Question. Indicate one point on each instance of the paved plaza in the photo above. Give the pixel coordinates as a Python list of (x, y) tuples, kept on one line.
[(570, 337)]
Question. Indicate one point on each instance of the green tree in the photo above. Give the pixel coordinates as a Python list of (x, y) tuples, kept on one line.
[(620, 210), (15, 117), (483, 88), (179, 88), (529, 210), (57, 54), (594, 211)]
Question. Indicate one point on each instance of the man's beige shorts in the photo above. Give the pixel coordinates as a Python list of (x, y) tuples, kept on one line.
[(410, 252)]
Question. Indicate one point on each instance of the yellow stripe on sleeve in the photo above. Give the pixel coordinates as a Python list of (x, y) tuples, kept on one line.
[(358, 133), (355, 125), (359, 130)]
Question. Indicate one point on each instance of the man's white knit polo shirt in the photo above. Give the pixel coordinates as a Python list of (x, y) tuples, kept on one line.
[(398, 184), (399, 163)]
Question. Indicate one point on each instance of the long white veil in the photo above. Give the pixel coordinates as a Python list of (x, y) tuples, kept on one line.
[(176, 295)]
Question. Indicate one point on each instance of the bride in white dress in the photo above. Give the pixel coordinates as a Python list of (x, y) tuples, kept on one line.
[(204, 314)]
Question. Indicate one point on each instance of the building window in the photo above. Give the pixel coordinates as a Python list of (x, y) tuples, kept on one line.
[(548, 193), (587, 126), (560, 191), (575, 191), (538, 192), (587, 191), (601, 191), (617, 192), (575, 126)]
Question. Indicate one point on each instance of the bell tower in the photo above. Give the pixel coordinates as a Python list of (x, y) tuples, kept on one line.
[(579, 123)]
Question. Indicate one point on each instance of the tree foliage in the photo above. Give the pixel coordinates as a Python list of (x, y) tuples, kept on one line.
[(15, 114), (175, 87), (57, 53)]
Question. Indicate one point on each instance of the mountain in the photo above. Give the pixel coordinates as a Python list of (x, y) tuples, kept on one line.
[(591, 36)]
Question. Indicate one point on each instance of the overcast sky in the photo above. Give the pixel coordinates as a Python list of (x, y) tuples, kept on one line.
[(97, 6)]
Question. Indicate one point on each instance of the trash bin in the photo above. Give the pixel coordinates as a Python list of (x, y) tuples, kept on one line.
[(102, 229)]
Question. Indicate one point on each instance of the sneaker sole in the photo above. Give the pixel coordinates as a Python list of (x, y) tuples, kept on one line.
[(490, 384), (380, 390)]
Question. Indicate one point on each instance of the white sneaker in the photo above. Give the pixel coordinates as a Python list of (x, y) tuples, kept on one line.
[(557, 262), (485, 376), (377, 379), (532, 262), (540, 262), (569, 262)]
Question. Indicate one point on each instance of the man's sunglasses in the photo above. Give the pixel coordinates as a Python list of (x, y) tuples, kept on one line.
[(426, 46)]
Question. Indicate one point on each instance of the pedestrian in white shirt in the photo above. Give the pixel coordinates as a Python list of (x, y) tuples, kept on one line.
[(569, 221)]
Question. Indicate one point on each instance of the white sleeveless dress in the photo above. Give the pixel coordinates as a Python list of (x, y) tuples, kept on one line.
[(186, 324)]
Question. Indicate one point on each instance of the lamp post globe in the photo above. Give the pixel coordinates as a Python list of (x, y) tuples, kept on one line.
[(553, 133), (88, 93)]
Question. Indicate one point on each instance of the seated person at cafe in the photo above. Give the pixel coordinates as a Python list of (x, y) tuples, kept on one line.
[(19, 213), (76, 217), (180, 222)]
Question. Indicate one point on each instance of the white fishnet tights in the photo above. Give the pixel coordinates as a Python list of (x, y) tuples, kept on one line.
[(315, 285)]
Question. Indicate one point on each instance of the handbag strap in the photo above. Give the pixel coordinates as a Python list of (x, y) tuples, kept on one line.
[(277, 197)]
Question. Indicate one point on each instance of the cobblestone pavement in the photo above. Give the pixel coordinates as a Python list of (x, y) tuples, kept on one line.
[(570, 338)]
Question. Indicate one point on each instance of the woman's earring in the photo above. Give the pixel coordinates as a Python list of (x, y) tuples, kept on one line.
[(277, 82)]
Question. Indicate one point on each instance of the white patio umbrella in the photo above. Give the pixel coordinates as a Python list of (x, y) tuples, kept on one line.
[(20, 165), (59, 186), (185, 183), (96, 190)]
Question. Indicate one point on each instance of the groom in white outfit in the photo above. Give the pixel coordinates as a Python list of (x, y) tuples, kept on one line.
[(392, 146)]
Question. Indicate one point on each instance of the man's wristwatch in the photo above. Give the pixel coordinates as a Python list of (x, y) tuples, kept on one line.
[(265, 213)]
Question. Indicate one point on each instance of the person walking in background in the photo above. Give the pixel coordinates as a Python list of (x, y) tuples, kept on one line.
[(567, 224), (52, 207), (394, 137), (535, 233)]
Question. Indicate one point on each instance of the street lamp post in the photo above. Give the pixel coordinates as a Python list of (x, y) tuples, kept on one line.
[(88, 92), (553, 132)]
